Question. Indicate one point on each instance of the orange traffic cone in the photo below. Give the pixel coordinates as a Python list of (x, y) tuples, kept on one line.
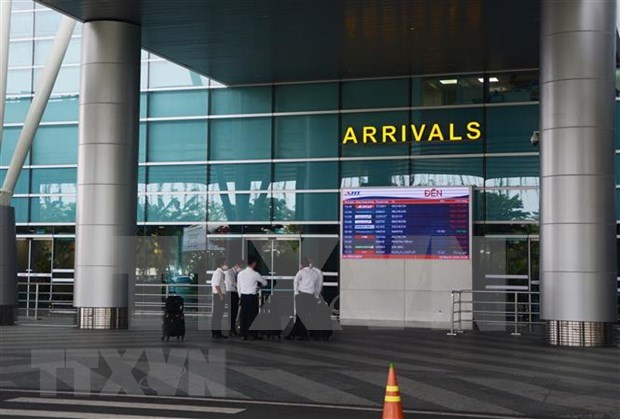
[(393, 407)]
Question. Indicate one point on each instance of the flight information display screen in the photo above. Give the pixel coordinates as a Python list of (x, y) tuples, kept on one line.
[(406, 223)]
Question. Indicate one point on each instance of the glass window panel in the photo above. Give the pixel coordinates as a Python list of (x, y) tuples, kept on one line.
[(144, 76), (617, 119), (376, 120), (504, 135), (9, 141), (68, 80), (21, 209), (239, 207), (239, 139), (141, 194), (21, 25), (447, 90), (452, 123), (19, 82), (55, 144), (310, 175), (177, 141), (141, 210), (178, 103), (43, 47), (375, 94), (167, 74), (46, 23), (22, 181), (16, 109), (52, 209), (144, 55), (143, 105), (374, 173), (22, 5), (512, 204), (241, 100), (306, 97), (291, 206), (54, 181), (20, 53), (306, 136), (239, 177), (618, 206), (176, 207), (478, 205), (514, 87), (512, 171), (62, 108), (142, 142), (618, 171), (448, 172), (189, 178)]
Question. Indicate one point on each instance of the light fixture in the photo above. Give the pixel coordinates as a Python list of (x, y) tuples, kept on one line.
[(448, 81), (491, 80)]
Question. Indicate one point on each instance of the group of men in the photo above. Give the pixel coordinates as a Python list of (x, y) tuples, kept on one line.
[(239, 289)]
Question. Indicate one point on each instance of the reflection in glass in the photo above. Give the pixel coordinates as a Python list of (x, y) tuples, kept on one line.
[(41, 256), (54, 181), (176, 207), (514, 87), (167, 74), (239, 207), (290, 206), (512, 171), (64, 253), (447, 172), (53, 209), (375, 173), (447, 90), (310, 175), (177, 178), (239, 177), (512, 204)]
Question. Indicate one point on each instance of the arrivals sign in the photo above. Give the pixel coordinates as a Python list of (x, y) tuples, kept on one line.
[(419, 133)]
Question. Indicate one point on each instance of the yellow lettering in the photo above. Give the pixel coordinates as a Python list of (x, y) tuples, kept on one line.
[(388, 131), (349, 135), (435, 132), (369, 133), (403, 133), (452, 136), (417, 135), (473, 129)]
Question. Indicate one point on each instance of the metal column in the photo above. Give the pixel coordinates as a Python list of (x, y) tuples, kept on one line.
[(8, 266), (578, 223), (107, 173)]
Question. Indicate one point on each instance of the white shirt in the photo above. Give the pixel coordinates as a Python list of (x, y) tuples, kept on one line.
[(230, 279), (217, 280), (308, 280), (248, 280)]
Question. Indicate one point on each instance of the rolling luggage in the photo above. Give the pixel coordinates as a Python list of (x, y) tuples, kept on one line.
[(174, 319), (322, 326)]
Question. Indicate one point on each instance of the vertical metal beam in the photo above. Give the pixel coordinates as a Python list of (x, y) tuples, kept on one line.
[(578, 223), (5, 38), (37, 107)]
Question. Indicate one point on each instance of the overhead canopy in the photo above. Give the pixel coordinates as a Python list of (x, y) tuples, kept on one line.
[(259, 41)]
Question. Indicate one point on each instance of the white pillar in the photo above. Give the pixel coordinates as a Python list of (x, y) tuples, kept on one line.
[(107, 173)]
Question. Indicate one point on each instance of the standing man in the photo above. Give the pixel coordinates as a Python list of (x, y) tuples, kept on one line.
[(307, 285), (232, 295), (219, 295), (248, 282)]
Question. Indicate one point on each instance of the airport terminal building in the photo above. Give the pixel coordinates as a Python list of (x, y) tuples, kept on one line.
[(255, 144)]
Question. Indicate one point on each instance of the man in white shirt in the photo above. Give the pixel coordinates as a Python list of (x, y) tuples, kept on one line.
[(219, 294), (232, 296), (307, 285), (248, 281)]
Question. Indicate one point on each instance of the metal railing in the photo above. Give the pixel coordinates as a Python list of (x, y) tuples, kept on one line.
[(492, 309)]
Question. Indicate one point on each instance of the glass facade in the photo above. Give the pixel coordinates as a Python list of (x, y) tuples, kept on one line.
[(267, 157)]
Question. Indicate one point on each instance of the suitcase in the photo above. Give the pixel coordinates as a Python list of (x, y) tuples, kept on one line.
[(322, 326), (174, 319)]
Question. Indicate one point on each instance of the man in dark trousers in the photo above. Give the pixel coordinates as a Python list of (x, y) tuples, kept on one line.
[(232, 296), (219, 295), (248, 282)]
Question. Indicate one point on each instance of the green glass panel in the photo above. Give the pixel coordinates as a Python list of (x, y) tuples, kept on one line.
[(178, 103), (54, 181), (478, 205), (448, 172), (142, 142), (375, 120), (62, 108), (20, 54), (240, 139), (9, 141), (21, 209), (447, 90), (143, 105), (306, 136), (239, 177), (241, 100), (512, 171), (239, 207), (618, 171), (177, 141), (509, 128), (176, 206), (16, 109), (167, 74), (306, 97), (55, 144), (310, 175), (187, 178), (368, 94), (512, 204), (452, 126), (22, 181), (53, 209), (291, 206), (374, 173), (141, 209), (514, 87)]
